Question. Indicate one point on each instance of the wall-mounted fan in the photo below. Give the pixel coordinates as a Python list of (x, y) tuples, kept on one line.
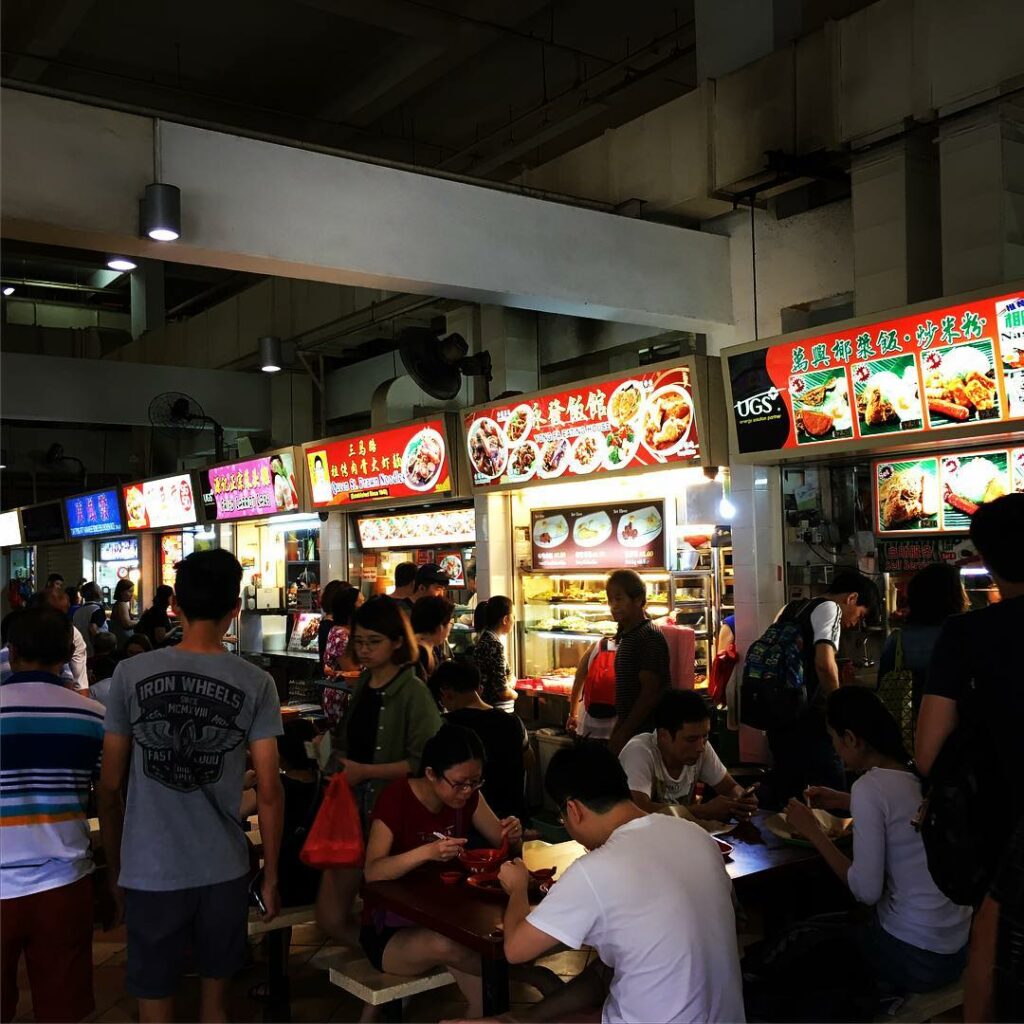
[(180, 417), (438, 364)]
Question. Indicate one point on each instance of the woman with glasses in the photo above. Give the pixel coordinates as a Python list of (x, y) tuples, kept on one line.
[(426, 820), (381, 734)]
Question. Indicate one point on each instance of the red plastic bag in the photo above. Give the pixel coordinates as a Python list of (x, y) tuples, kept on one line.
[(336, 838), (721, 671)]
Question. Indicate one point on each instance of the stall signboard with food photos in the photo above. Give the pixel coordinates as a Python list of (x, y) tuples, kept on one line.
[(254, 488), (945, 371), (428, 529), (940, 493), (407, 462), (156, 504), (649, 419), (622, 535)]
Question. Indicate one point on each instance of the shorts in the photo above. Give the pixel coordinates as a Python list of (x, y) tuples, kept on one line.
[(374, 940), (211, 920), (53, 929)]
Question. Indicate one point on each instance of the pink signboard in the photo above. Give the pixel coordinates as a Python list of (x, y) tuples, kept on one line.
[(245, 490)]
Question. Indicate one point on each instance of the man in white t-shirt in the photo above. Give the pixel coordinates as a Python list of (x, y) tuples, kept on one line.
[(803, 752), (663, 766), (652, 898)]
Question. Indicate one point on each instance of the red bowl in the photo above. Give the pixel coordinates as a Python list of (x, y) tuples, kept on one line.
[(451, 877), (543, 874), (480, 861)]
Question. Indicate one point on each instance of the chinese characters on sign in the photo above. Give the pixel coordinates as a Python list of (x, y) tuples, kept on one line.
[(403, 462), (92, 515), (647, 419), (243, 490), (943, 368), (154, 504)]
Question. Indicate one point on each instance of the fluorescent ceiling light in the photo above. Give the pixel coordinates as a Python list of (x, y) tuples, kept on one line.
[(9, 290), (120, 263)]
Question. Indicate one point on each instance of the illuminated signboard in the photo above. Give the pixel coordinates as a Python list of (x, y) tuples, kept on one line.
[(93, 515), (940, 493), (621, 535), (410, 461), (10, 529), (126, 549), (939, 369), (645, 419), (263, 486), (418, 530), (153, 504)]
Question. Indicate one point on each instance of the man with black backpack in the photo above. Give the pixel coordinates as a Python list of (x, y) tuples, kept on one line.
[(787, 676)]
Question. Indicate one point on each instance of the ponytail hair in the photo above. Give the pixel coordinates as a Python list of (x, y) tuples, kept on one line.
[(859, 711)]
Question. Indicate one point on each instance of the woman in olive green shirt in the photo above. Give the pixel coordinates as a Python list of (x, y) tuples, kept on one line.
[(380, 737)]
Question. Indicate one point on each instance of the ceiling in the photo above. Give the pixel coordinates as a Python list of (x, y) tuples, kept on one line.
[(480, 87)]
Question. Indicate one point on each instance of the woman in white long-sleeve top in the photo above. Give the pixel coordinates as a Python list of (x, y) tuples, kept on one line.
[(918, 938)]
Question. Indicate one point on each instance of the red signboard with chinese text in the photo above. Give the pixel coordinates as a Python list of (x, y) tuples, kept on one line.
[(645, 419), (927, 372), (411, 461)]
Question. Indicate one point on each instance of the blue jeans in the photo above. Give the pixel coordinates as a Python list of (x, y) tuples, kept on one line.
[(901, 967)]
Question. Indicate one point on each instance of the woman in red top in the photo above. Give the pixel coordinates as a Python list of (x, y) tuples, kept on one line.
[(443, 799)]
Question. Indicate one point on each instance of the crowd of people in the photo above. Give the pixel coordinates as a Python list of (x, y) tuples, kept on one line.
[(92, 709)]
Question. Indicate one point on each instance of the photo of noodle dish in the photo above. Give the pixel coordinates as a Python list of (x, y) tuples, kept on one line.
[(667, 419), (586, 454), (423, 459), (626, 403), (487, 449), (519, 424), (554, 458), (523, 461)]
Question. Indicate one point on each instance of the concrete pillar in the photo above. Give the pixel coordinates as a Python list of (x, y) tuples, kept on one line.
[(982, 198), (896, 224), (291, 408), (147, 292), (734, 33), (510, 335)]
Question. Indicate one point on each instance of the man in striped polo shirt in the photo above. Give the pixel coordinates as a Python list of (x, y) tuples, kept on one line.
[(50, 743)]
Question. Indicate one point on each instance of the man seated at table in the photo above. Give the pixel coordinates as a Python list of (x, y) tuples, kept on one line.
[(663, 766), (652, 898)]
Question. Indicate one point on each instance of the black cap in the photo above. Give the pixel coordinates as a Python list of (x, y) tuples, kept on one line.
[(432, 573)]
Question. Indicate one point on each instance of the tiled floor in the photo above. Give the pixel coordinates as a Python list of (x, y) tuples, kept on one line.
[(314, 998)]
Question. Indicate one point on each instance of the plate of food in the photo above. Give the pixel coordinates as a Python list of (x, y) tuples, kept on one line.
[(837, 829), (591, 530), (821, 406), (639, 528), (586, 454), (523, 461), (423, 459), (668, 417), (626, 403), (959, 385), (908, 495), (519, 424), (487, 449), (554, 459), (621, 445), (887, 396), (550, 531)]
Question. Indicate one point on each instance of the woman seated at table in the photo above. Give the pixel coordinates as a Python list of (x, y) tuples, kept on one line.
[(427, 820), (918, 938)]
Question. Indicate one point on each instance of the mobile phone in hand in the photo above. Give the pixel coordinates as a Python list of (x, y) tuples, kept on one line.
[(256, 893)]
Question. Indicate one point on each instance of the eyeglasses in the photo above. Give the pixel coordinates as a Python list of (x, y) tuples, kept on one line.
[(463, 787), (370, 642)]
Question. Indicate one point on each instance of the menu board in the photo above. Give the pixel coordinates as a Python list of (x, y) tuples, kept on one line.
[(125, 549), (645, 419), (153, 504), (420, 529), (92, 515), (923, 373), (263, 486), (910, 555), (940, 493), (626, 535), (10, 529), (404, 462), (42, 522)]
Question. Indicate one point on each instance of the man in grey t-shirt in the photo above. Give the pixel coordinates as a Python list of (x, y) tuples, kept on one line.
[(179, 722)]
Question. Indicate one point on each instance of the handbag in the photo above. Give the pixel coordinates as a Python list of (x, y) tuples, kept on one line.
[(336, 838), (896, 692)]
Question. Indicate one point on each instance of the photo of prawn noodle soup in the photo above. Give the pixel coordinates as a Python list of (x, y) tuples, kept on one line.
[(423, 459)]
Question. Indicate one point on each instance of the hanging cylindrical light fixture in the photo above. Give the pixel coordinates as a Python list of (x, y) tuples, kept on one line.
[(271, 358), (160, 212)]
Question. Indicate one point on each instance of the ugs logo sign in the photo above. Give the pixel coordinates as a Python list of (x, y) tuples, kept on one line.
[(758, 405)]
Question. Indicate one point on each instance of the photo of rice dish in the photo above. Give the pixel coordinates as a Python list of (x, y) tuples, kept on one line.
[(554, 458), (586, 453), (550, 531), (821, 407), (625, 403), (970, 482), (518, 424), (639, 528), (523, 461), (423, 459), (960, 384), (591, 530), (487, 450), (887, 396)]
